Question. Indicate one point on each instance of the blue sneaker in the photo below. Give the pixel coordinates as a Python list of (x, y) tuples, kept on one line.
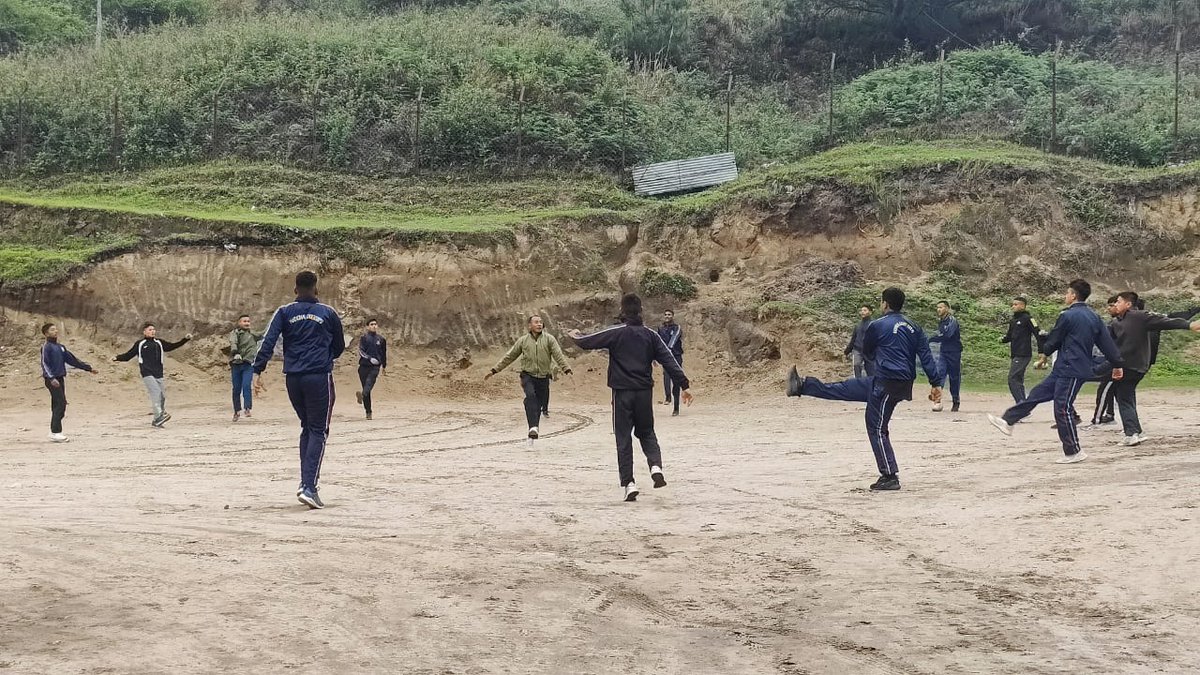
[(310, 498)]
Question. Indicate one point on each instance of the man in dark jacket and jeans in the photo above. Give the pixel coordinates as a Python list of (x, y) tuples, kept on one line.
[(893, 343), (312, 339), (55, 359), (1022, 328), (854, 348), (632, 348), (672, 334), (1077, 330)]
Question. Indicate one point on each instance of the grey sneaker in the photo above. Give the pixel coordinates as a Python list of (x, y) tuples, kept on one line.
[(1072, 459), (310, 498), (161, 419)]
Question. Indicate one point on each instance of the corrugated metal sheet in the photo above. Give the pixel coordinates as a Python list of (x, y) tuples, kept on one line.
[(684, 174)]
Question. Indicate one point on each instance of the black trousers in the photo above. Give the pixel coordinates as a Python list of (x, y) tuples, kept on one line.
[(367, 376), (58, 404), (537, 397), (1016, 377), (1125, 391), (1105, 397), (671, 387), (633, 415)]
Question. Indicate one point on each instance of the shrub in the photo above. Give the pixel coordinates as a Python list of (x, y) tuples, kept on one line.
[(655, 283)]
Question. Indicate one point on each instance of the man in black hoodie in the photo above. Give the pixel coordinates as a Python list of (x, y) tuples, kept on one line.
[(632, 348), (1021, 329), (149, 352)]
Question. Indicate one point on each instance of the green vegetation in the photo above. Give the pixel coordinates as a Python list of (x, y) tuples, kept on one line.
[(656, 283), (37, 264)]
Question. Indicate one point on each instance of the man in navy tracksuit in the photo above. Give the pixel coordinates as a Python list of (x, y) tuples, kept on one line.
[(1076, 332), (672, 334), (893, 343), (948, 338), (632, 348), (312, 339), (55, 359), (372, 362)]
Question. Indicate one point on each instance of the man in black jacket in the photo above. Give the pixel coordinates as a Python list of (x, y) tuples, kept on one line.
[(632, 348), (149, 352), (854, 348), (372, 362), (672, 334), (1021, 329)]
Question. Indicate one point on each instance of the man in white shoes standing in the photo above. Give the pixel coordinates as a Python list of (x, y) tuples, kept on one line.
[(1078, 330), (55, 359), (632, 349)]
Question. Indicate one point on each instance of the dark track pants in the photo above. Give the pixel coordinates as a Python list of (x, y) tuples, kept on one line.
[(633, 415), (367, 375), (58, 404), (952, 365), (312, 398), (242, 375), (1125, 391), (671, 387), (1061, 390), (880, 406), (1016, 377), (537, 397), (1106, 395)]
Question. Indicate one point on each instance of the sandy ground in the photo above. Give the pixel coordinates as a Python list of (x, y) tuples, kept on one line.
[(451, 546)]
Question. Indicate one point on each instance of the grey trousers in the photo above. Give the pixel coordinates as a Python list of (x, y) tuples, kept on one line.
[(157, 391), (862, 367), (1016, 377)]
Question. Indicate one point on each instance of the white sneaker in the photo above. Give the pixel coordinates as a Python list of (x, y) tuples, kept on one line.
[(998, 422), (1072, 459), (533, 432), (937, 407), (58, 438), (631, 492), (656, 475), (1136, 439)]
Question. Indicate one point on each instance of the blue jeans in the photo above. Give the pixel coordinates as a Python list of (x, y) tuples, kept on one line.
[(243, 377), (880, 406), (1061, 390), (312, 398)]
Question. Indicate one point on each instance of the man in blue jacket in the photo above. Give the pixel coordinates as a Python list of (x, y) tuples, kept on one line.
[(1076, 332), (632, 348), (948, 339), (893, 343), (672, 335), (312, 339), (55, 359)]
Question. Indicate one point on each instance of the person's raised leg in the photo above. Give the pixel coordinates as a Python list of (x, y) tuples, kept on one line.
[(1043, 392), (368, 385), (855, 389), (623, 404)]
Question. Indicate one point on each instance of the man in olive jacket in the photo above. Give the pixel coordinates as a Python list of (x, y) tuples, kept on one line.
[(243, 346), (539, 352)]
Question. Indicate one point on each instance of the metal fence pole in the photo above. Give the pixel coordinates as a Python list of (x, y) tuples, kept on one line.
[(520, 128), (728, 111), (1054, 97), (116, 141), (417, 133), (832, 66)]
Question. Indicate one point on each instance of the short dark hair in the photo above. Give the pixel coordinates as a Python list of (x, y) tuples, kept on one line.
[(1128, 295), (894, 297), (631, 306), (1021, 299), (306, 280), (1139, 303), (530, 319), (243, 316), (946, 303), (148, 324), (1112, 299), (1082, 289), (867, 307), (372, 320), (669, 311), (46, 328)]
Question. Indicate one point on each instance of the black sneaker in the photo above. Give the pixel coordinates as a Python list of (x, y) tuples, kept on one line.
[(795, 385), (310, 499), (546, 414), (161, 419), (656, 474), (891, 482), (954, 408)]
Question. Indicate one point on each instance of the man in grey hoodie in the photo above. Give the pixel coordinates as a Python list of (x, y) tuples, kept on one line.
[(1131, 329)]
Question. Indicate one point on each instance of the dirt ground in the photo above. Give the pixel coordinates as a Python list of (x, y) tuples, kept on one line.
[(451, 546)]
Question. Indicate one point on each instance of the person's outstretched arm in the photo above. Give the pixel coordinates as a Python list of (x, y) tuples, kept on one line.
[(598, 340), (670, 366), (129, 354), (513, 353), (267, 348)]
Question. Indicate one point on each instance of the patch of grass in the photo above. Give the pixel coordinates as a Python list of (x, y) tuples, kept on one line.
[(31, 265), (656, 283)]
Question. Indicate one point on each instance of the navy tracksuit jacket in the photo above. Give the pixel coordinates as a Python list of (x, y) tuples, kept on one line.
[(893, 343), (1076, 332), (312, 339)]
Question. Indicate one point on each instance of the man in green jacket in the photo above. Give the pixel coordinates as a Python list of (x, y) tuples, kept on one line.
[(539, 352), (243, 346)]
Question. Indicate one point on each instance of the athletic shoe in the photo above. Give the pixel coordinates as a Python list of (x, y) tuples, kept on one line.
[(656, 475), (161, 419), (299, 491), (546, 414), (533, 433), (358, 397), (58, 438), (236, 416), (667, 402), (310, 498), (937, 407), (998, 422), (1108, 420), (368, 415), (674, 413), (1136, 439), (1072, 459), (631, 492), (246, 412), (954, 408), (795, 385), (891, 482)]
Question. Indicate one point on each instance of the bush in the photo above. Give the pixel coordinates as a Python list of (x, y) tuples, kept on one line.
[(664, 284), (29, 22)]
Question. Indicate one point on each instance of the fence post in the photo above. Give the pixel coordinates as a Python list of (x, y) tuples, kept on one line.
[(20, 140), (417, 133), (728, 110), (1175, 124), (832, 65), (214, 139), (115, 143), (1054, 96), (520, 128), (941, 106), (315, 147)]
